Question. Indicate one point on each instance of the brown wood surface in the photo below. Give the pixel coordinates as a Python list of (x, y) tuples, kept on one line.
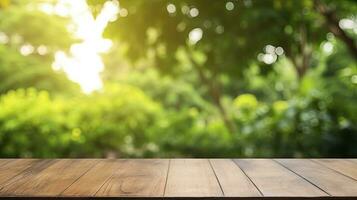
[(328, 180), (233, 180), (143, 177), (47, 178), (179, 178), (274, 180), (192, 177), (346, 167), (93, 180), (10, 168)]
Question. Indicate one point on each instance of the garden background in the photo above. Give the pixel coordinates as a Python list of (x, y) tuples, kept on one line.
[(178, 78)]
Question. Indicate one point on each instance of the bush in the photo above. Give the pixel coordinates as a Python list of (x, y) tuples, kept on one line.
[(119, 121), (34, 125)]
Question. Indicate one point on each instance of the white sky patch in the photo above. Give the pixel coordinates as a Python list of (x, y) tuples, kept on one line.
[(26, 49), (267, 58), (123, 12), (42, 50), (229, 5), (195, 35), (84, 64), (327, 47), (171, 8), (271, 54), (279, 51), (3, 38), (347, 24), (194, 12)]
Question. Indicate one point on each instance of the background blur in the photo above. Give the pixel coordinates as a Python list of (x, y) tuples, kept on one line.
[(178, 78)]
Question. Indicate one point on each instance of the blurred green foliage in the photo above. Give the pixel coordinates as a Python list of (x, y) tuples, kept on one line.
[(165, 96)]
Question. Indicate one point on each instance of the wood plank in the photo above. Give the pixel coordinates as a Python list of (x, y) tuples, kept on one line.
[(9, 187), (330, 181), (137, 177), (4, 162), (148, 178), (346, 167), (273, 180), (192, 178), (11, 167), (47, 179), (91, 182), (232, 179)]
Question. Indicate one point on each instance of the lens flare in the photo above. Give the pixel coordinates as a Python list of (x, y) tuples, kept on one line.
[(84, 64)]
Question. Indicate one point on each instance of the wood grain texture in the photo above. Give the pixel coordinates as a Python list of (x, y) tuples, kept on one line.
[(232, 179), (346, 167), (4, 162), (193, 178), (274, 180), (329, 180), (137, 177), (90, 183), (11, 167), (179, 178), (47, 178), (10, 187)]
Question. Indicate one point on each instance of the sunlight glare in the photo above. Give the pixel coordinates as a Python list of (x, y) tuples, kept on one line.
[(229, 5), (26, 49), (171, 8), (270, 54), (327, 47), (194, 12), (84, 64), (195, 35), (4, 39)]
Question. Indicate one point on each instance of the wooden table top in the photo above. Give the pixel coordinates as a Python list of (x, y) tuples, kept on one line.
[(179, 178)]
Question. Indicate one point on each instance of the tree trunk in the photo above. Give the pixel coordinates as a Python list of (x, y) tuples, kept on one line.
[(305, 53), (216, 95), (301, 58), (214, 92)]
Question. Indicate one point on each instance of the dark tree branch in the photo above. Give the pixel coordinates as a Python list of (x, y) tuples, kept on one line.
[(300, 54), (214, 92), (305, 53), (333, 25)]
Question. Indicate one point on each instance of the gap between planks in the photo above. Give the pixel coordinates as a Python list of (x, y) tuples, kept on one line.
[(330, 181), (208, 167)]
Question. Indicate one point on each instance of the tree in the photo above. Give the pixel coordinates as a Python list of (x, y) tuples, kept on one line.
[(27, 51), (332, 23), (234, 33)]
